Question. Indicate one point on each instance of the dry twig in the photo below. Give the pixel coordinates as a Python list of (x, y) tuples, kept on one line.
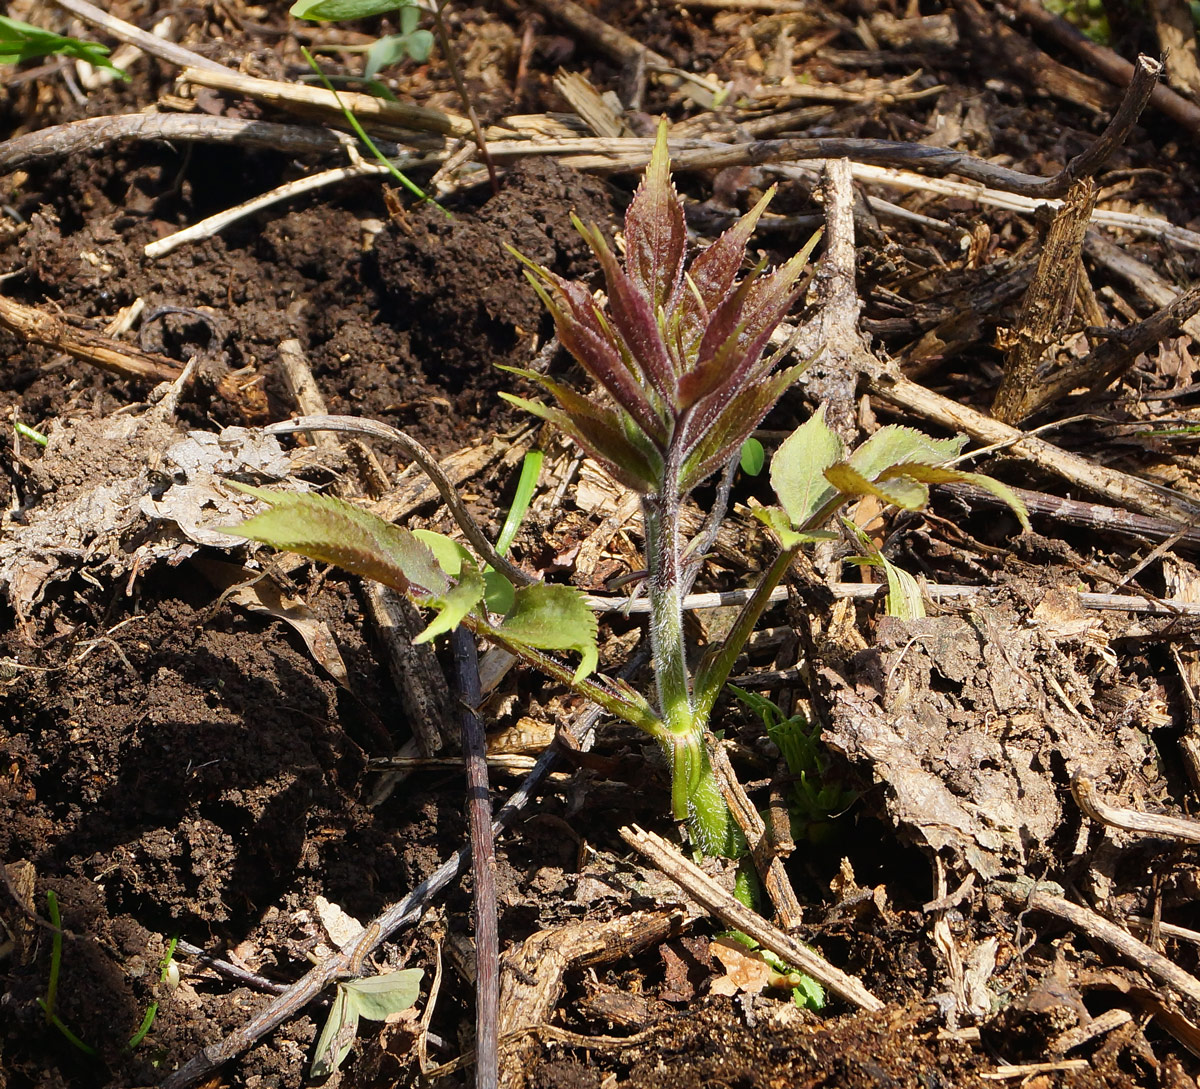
[(108, 354), (732, 912), (483, 870), (1025, 893), (1131, 820)]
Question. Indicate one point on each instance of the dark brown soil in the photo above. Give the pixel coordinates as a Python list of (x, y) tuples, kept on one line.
[(175, 766)]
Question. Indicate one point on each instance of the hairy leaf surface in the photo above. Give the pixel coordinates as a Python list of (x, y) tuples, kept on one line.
[(550, 617), (332, 531)]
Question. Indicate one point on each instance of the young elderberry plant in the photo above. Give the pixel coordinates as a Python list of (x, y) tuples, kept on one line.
[(678, 355)]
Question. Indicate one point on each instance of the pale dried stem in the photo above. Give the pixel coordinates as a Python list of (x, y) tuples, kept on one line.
[(1131, 820), (726, 907)]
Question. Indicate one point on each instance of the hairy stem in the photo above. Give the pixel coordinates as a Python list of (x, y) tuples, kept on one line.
[(661, 515), (696, 795), (617, 698)]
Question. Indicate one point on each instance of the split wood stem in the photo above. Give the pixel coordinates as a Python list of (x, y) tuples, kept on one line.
[(483, 872)]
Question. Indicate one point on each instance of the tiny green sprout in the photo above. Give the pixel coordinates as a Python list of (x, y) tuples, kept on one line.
[(752, 457), (56, 944), (48, 1003), (371, 146), (27, 432)]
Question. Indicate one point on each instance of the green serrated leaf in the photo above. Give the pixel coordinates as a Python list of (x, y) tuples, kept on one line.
[(331, 11), (753, 457), (781, 525), (937, 474), (898, 445), (554, 618), (798, 467), (332, 531), (902, 491), (337, 1036), (377, 997), (808, 994), (453, 606)]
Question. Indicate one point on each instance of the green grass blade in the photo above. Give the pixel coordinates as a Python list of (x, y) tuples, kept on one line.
[(531, 468)]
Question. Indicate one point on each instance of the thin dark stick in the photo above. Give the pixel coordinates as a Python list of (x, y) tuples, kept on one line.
[(931, 160), (399, 915), (483, 873), (451, 59), (226, 968), (1093, 516), (941, 160)]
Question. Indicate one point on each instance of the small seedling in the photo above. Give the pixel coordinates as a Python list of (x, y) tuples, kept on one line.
[(362, 134), (48, 1003), (27, 432), (678, 357), (816, 797), (21, 42), (376, 998)]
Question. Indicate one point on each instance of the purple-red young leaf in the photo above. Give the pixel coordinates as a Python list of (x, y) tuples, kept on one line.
[(714, 270), (719, 359), (632, 314), (589, 341), (721, 439), (602, 438), (655, 231)]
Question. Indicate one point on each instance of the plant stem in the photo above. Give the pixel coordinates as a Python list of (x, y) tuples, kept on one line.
[(661, 515), (618, 699), (695, 794), (715, 670)]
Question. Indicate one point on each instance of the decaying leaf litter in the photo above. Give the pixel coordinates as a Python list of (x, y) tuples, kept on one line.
[(180, 766)]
